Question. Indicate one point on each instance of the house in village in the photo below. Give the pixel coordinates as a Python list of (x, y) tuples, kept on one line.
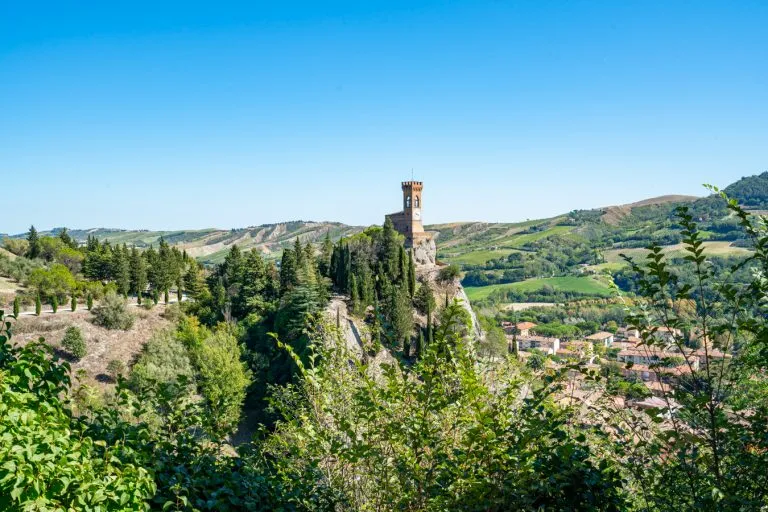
[(602, 337), (546, 345)]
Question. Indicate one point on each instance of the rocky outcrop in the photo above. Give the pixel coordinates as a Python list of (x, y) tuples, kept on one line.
[(425, 251)]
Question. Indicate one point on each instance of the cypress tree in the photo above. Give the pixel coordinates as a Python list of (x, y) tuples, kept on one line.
[(138, 298), (55, 304), (138, 271), (89, 301), (354, 297), (179, 291), (167, 266), (16, 307), (155, 296), (165, 296), (347, 266), (389, 244), (411, 274), (73, 303), (403, 267), (38, 305), (420, 346), (333, 270)]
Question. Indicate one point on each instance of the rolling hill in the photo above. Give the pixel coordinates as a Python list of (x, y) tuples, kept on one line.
[(559, 253), (210, 246)]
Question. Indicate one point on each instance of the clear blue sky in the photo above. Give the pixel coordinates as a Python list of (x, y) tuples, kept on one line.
[(184, 115)]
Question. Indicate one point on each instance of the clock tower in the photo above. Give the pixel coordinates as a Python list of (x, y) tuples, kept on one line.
[(412, 206), (408, 222)]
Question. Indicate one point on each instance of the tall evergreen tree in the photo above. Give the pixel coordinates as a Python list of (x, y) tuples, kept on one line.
[(38, 305), (388, 254), (324, 258), (34, 243), (67, 239), (167, 266), (154, 279), (354, 296), (194, 284), (402, 264), (288, 272), (411, 274), (16, 306), (424, 300), (122, 269), (298, 254), (400, 316), (138, 272)]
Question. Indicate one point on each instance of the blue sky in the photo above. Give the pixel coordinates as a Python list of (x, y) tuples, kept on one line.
[(185, 115)]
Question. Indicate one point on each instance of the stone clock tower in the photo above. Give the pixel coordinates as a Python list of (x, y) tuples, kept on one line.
[(412, 206), (409, 221)]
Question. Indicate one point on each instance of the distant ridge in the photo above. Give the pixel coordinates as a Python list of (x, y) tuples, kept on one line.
[(614, 214)]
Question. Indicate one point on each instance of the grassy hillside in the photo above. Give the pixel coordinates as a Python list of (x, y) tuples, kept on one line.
[(550, 256), (567, 284)]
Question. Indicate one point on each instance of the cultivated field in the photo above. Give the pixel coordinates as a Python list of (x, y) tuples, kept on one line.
[(587, 285)]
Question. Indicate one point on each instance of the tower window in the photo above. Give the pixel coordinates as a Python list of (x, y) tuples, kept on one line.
[(408, 201), (416, 202)]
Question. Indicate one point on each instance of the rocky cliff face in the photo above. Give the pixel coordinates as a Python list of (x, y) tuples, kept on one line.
[(427, 270), (425, 252)]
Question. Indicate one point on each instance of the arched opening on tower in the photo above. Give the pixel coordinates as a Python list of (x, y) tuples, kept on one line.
[(416, 202), (407, 201)]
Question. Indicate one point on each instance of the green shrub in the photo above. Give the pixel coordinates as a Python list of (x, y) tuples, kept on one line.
[(55, 304), (38, 305), (16, 306), (164, 360), (448, 274), (89, 302), (112, 313), (74, 343), (73, 303)]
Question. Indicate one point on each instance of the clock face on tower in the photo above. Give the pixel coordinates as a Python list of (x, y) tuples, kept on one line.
[(417, 214)]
